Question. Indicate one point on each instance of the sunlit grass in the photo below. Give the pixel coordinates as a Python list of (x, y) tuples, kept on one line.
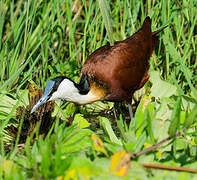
[(40, 40)]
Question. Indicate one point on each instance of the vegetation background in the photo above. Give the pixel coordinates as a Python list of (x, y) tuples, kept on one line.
[(42, 39)]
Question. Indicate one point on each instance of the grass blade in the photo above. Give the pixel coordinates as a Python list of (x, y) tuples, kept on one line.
[(175, 120), (105, 11)]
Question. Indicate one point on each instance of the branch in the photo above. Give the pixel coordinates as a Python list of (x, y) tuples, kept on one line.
[(171, 168)]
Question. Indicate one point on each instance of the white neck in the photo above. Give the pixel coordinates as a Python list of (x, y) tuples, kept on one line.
[(69, 92)]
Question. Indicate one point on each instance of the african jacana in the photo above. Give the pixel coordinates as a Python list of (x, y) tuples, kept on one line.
[(111, 73)]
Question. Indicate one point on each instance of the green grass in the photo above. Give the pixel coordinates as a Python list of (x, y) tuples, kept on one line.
[(40, 40)]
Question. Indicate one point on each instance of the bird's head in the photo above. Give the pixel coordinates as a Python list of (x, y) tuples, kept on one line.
[(64, 88)]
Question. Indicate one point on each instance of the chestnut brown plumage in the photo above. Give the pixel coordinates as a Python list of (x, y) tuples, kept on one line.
[(111, 73), (123, 68)]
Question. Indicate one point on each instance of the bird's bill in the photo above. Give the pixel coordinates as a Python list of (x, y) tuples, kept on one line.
[(45, 97), (41, 101)]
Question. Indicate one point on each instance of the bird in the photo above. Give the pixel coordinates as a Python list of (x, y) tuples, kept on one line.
[(110, 73)]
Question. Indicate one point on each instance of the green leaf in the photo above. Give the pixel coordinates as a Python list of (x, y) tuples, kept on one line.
[(148, 119), (78, 141), (191, 118), (70, 109), (188, 102), (6, 104), (161, 88), (175, 119), (164, 111), (140, 142), (98, 144), (105, 123), (80, 121), (138, 121), (84, 168)]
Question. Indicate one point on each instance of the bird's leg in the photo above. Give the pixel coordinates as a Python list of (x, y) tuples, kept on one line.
[(130, 110), (120, 109), (116, 109)]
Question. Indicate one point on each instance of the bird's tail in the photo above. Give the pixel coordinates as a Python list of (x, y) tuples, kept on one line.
[(155, 38), (158, 31)]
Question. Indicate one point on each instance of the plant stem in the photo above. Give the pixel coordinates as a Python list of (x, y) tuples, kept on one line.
[(157, 145)]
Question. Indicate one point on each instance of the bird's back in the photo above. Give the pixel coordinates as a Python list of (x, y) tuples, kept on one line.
[(122, 68)]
